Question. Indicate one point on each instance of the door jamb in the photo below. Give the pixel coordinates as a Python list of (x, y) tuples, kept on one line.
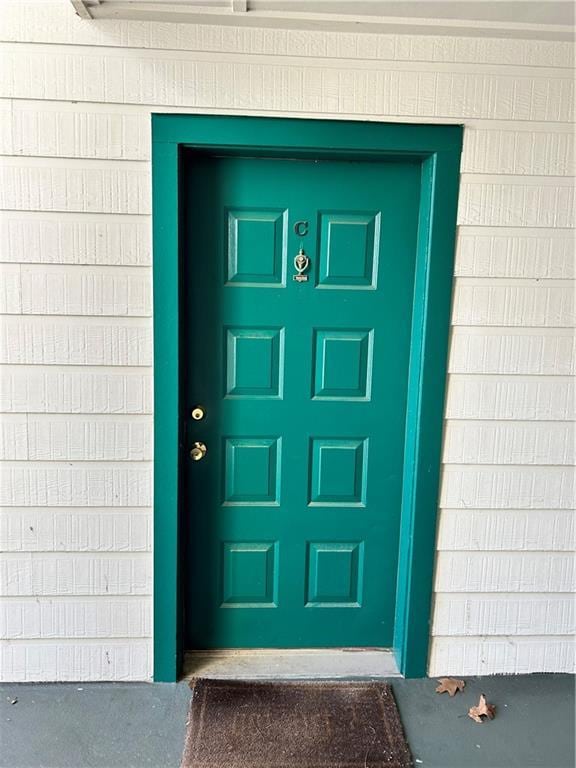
[(438, 148)]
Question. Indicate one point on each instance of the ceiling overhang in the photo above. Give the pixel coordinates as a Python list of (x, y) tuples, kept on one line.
[(544, 20)]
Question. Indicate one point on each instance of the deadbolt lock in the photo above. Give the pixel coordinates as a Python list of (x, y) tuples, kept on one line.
[(198, 452), (198, 413)]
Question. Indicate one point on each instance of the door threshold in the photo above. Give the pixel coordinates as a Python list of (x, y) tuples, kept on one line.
[(291, 664)]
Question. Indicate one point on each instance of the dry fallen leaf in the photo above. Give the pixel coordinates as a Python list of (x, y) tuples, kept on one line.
[(482, 709), (450, 685)]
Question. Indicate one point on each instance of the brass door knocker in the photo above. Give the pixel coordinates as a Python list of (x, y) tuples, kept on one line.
[(301, 264)]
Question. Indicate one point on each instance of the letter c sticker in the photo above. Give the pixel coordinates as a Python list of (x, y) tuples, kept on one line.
[(301, 228)]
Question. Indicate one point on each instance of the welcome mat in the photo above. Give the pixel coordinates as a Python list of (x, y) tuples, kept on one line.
[(237, 724)]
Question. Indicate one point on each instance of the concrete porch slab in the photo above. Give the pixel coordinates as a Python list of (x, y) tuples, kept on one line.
[(132, 725)]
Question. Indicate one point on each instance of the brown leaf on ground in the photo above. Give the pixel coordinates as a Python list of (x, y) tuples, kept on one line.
[(450, 685), (482, 709)]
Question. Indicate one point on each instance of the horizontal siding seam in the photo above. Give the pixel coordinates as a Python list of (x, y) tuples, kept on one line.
[(472, 122), (300, 60), (488, 465), (279, 54), (307, 114), (485, 421), (73, 599), (505, 551), (71, 641), (535, 638), (99, 214), (494, 597)]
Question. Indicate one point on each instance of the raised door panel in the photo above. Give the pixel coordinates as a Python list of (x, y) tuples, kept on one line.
[(349, 250), (342, 364), (256, 247)]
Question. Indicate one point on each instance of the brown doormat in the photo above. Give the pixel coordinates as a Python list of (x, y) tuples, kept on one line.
[(237, 724)]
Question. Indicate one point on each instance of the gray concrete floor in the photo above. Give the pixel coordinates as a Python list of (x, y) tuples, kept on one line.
[(131, 725)]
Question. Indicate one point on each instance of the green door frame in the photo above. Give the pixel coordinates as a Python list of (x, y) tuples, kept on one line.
[(438, 149)]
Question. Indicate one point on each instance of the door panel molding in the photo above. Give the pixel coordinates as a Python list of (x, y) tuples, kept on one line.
[(437, 148)]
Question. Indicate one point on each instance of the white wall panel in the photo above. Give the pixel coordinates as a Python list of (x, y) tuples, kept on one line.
[(473, 615), (505, 572), (506, 303), (74, 187), (80, 529), (13, 438), (39, 389), (82, 290), (69, 238), (512, 351), (27, 484), (493, 201), (70, 341), (76, 338), (10, 290), (78, 438), (53, 617), (519, 530), (56, 130), (67, 660), (469, 442), (500, 487), (524, 253), (538, 153), (512, 397), (45, 574), (501, 655), (6, 143), (203, 80)]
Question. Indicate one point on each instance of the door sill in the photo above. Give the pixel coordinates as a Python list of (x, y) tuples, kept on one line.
[(291, 664)]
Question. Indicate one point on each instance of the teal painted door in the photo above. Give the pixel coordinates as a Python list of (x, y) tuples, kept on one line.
[(291, 519)]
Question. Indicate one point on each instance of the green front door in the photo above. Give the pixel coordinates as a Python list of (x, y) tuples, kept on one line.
[(291, 517)]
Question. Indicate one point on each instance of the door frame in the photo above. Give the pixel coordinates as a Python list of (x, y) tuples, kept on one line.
[(438, 149)]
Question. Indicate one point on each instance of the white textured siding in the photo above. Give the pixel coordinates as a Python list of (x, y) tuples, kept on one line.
[(75, 341)]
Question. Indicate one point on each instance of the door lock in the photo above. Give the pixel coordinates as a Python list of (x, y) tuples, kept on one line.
[(198, 413), (198, 452)]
